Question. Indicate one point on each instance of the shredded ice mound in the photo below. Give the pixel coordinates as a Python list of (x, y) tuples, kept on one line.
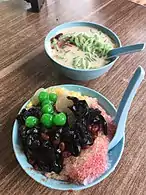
[(91, 163)]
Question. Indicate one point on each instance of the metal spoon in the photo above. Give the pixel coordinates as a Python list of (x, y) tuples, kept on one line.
[(124, 106), (125, 50)]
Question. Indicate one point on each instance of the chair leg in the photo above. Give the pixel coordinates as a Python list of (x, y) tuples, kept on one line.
[(35, 4)]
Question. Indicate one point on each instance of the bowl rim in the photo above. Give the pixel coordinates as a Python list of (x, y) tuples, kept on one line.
[(82, 22), (28, 171)]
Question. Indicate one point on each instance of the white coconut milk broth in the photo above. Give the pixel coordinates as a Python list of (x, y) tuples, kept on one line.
[(65, 56)]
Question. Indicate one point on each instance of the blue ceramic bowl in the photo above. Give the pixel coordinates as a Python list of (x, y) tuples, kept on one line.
[(114, 154), (81, 74)]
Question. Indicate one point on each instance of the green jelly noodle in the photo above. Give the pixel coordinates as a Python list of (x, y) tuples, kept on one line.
[(94, 46), (31, 121), (47, 120), (59, 119)]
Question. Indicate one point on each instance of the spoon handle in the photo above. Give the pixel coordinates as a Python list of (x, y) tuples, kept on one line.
[(125, 104), (125, 50)]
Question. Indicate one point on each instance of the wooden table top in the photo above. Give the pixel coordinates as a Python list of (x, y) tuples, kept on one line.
[(24, 67)]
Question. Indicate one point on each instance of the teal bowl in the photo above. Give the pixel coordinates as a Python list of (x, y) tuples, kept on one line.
[(114, 154), (81, 74)]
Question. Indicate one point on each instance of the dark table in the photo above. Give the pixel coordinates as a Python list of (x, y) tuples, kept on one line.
[(24, 67)]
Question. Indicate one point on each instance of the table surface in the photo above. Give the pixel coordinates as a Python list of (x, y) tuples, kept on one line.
[(24, 67)]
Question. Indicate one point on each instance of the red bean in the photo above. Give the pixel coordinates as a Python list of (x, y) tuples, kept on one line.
[(95, 129), (56, 142), (45, 136), (58, 36), (62, 146), (66, 154)]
